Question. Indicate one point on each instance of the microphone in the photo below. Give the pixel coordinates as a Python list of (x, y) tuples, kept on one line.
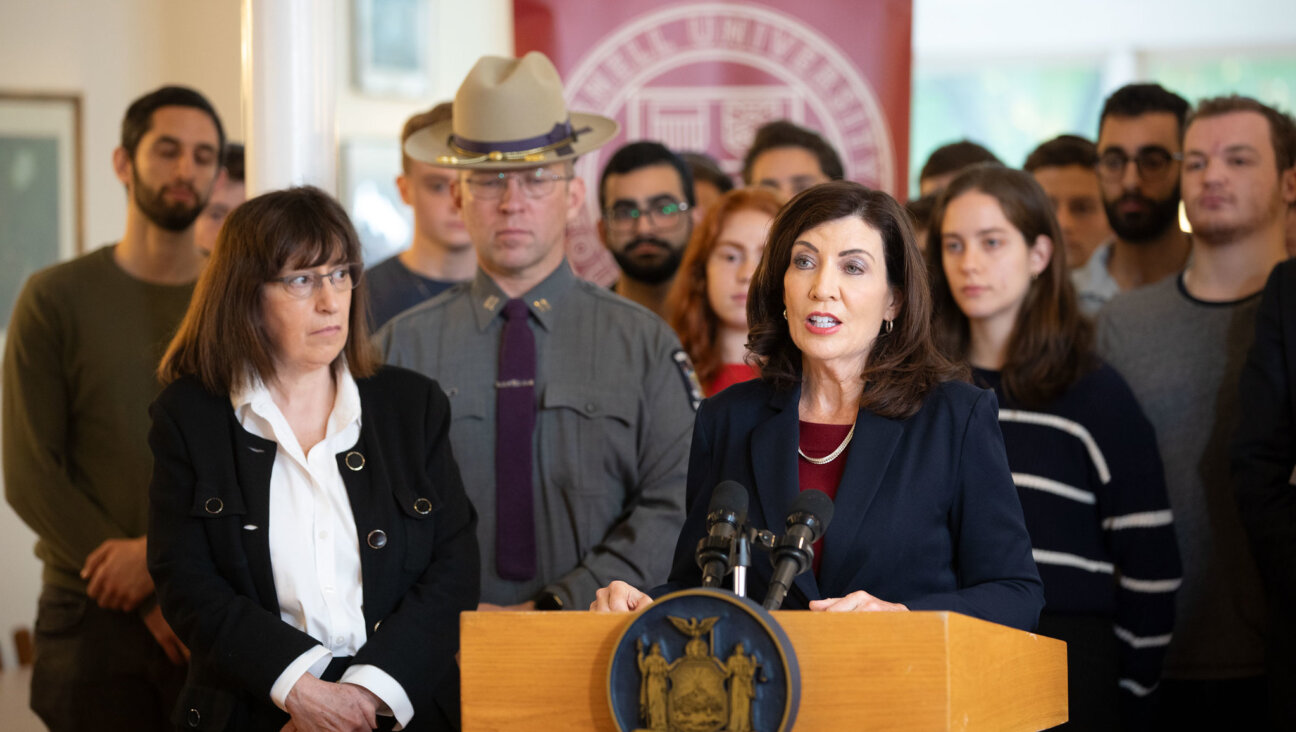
[(793, 553), (725, 518)]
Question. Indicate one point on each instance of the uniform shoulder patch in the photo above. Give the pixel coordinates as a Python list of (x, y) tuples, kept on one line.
[(691, 385)]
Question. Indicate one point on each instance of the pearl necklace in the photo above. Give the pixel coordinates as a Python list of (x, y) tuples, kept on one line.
[(832, 455)]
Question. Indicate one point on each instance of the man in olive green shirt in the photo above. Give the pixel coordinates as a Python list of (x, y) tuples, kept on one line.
[(82, 350)]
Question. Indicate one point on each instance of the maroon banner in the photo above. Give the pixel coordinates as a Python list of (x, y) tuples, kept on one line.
[(702, 76)]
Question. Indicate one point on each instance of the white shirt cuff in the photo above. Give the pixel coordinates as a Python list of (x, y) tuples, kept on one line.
[(385, 688), (298, 668)]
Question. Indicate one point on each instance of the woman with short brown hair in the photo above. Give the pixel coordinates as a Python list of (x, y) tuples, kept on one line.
[(309, 534)]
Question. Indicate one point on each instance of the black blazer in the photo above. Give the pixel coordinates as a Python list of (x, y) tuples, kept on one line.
[(208, 550), (926, 513), (1264, 449)]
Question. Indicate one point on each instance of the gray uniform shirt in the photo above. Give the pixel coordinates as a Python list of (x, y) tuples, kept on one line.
[(1183, 357), (613, 426)]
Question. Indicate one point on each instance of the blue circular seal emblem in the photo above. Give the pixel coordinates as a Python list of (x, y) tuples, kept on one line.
[(704, 660)]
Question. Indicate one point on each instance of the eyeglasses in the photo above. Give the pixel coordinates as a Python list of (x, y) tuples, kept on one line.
[(536, 183), (306, 284), (664, 215), (1152, 161)]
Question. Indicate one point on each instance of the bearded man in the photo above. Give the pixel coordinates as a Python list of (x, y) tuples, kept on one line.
[(1139, 154), (79, 373), (646, 197)]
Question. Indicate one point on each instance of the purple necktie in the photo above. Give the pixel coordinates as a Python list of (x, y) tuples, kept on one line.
[(515, 412)]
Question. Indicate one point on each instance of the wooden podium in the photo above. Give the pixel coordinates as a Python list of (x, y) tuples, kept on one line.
[(905, 671)]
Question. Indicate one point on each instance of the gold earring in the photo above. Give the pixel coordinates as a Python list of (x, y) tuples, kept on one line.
[(890, 325)]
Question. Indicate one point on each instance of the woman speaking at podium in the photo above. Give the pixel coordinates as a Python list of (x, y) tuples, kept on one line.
[(309, 533), (854, 399)]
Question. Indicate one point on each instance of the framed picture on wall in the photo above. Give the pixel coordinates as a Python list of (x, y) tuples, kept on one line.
[(40, 187), (390, 42), (368, 188)]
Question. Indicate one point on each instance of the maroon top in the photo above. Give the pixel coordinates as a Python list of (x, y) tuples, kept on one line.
[(818, 441)]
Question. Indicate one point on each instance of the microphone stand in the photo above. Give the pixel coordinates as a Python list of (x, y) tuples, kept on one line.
[(762, 538), (742, 560)]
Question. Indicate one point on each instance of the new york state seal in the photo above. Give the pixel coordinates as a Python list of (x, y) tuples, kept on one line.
[(703, 661)]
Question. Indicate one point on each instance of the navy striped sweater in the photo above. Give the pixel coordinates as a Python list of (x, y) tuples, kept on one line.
[(1089, 476)]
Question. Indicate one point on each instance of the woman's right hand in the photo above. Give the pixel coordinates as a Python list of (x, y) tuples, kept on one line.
[(328, 707), (619, 597)]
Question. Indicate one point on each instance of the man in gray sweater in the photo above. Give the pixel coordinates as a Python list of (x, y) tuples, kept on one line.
[(1181, 343)]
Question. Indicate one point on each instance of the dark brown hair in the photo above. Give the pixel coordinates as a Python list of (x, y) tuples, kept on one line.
[(782, 133), (690, 309), (439, 113), (903, 365), (1062, 151), (1051, 345), (139, 115), (1136, 100), (222, 340), (953, 157), (1282, 130)]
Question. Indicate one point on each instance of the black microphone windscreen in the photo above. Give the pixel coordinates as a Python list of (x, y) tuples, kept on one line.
[(730, 495), (816, 503)]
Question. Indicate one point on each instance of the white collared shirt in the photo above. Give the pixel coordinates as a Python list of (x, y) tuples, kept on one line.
[(314, 546)]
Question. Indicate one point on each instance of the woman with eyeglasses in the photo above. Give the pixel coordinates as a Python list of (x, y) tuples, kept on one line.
[(708, 301), (1083, 455), (309, 534)]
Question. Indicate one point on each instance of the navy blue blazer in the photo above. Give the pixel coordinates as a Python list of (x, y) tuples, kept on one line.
[(209, 552), (926, 513)]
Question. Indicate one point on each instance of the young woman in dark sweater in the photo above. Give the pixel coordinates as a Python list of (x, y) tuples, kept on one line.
[(1083, 456)]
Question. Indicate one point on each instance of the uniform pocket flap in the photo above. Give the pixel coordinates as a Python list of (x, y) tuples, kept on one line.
[(592, 401)]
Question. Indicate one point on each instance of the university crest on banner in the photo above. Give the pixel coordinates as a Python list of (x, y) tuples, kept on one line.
[(702, 76), (703, 661)]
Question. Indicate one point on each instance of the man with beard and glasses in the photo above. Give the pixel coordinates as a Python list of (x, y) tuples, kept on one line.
[(646, 196), (79, 373), (1139, 134), (1181, 344)]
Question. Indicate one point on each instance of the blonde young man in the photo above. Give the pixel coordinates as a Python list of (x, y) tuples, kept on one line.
[(440, 254)]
